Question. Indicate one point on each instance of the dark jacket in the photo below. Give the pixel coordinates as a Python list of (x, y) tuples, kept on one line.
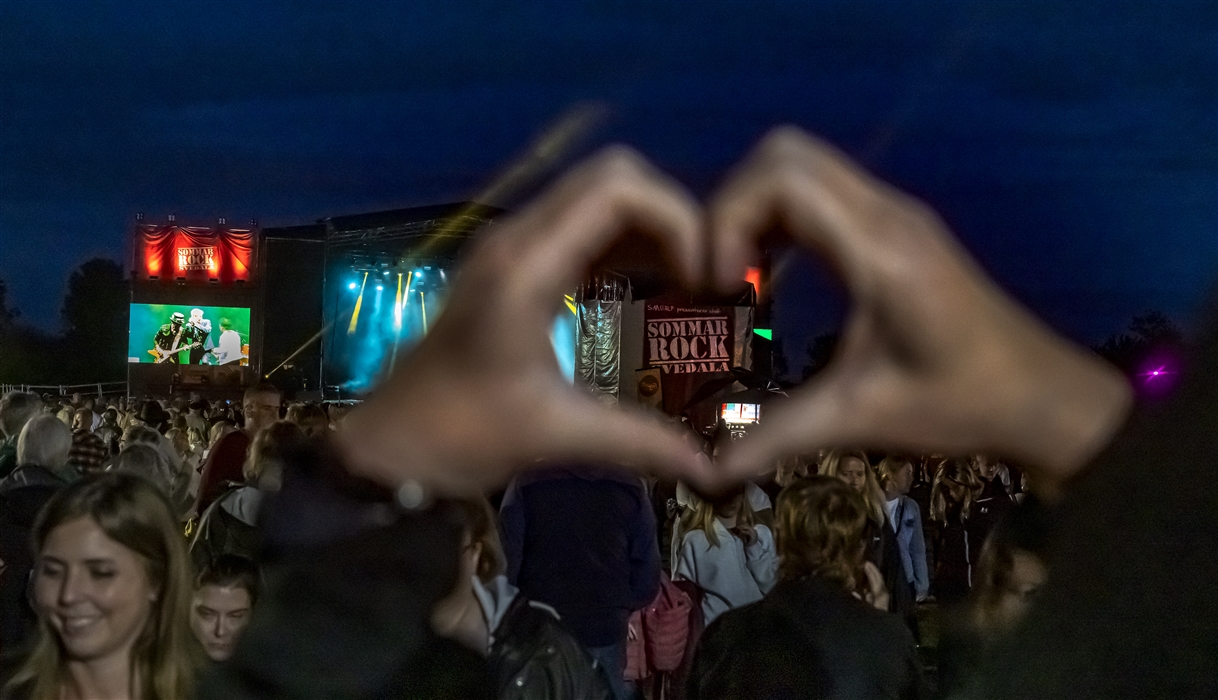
[(8, 456), (22, 495), (883, 551), (229, 526), (584, 542), (532, 656), (224, 464), (807, 639)]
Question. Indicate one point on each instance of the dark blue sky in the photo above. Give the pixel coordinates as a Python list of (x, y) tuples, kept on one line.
[(1073, 146)]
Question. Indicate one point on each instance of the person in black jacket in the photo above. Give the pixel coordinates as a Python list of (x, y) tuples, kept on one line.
[(815, 635), (228, 526), (583, 540), (42, 453), (530, 654)]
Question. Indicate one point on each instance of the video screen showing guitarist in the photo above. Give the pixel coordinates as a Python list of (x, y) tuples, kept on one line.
[(174, 338)]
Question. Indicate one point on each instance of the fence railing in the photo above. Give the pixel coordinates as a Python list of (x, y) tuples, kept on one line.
[(95, 389)]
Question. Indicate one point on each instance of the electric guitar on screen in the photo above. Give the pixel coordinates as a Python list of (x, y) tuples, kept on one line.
[(163, 355)]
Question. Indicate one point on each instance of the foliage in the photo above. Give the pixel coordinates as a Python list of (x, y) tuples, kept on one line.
[(93, 344), (1148, 333), (820, 351)]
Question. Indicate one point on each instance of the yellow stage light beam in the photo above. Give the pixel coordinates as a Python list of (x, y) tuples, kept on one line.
[(358, 303), (397, 307), (397, 318)]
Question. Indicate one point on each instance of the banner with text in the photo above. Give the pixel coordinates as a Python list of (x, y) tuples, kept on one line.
[(691, 344), (689, 339)]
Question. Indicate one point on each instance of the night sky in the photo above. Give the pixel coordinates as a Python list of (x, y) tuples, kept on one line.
[(1072, 146)]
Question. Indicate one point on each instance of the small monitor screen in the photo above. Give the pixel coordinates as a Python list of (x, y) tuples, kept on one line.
[(195, 335), (741, 413)]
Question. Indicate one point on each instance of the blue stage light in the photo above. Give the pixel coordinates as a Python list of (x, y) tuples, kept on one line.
[(378, 288), (353, 286)]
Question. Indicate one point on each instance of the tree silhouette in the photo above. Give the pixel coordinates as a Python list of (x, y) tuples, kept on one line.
[(95, 312), (1148, 333), (820, 351), (7, 315)]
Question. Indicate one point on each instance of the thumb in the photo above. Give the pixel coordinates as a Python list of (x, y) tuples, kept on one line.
[(814, 417)]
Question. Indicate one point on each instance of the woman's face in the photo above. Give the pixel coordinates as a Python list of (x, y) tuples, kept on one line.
[(903, 480), (853, 472), (93, 592), (731, 507)]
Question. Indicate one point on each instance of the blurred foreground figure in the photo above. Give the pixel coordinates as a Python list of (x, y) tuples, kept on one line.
[(934, 359)]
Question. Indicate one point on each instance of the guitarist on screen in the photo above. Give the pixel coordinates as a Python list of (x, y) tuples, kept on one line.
[(173, 338)]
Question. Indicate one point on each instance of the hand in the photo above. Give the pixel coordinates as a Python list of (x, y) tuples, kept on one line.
[(933, 357), (876, 594), (481, 396), (747, 533)]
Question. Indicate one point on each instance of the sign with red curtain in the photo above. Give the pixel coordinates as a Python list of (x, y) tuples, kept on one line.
[(194, 254)]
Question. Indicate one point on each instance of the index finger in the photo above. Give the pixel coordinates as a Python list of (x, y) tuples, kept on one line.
[(547, 248), (814, 193)]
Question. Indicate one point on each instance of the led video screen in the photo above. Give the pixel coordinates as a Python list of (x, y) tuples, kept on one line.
[(196, 335), (741, 413)]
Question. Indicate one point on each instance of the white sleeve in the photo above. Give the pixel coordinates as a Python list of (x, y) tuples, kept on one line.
[(693, 546), (758, 500), (762, 559)]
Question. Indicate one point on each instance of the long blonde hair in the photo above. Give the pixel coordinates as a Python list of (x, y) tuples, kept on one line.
[(956, 481), (872, 493), (131, 511), (701, 514)]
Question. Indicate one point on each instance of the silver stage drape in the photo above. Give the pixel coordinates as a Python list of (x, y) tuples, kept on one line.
[(598, 359)]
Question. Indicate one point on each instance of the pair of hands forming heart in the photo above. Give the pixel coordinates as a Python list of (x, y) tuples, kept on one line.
[(934, 356)]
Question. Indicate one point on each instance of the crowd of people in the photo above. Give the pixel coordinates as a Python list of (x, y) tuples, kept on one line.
[(175, 485), (478, 527), (550, 575)]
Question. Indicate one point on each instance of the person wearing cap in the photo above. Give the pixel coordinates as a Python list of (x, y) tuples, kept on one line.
[(173, 337), (152, 415)]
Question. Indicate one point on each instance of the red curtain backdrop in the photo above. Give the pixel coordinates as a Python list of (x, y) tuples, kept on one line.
[(195, 254)]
